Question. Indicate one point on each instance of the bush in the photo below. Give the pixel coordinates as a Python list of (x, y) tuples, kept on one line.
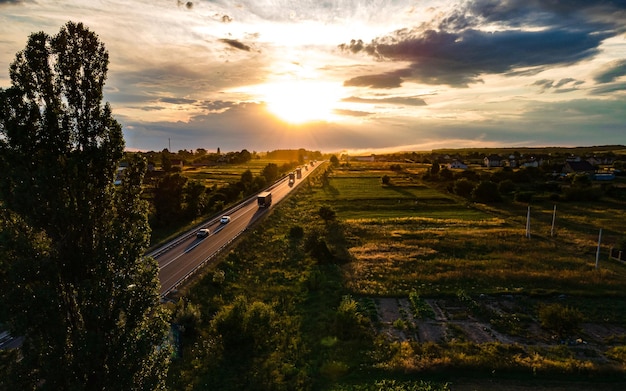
[(326, 213), (486, 191), (463, 187), (524, 196), (506, 187), (386, 180), (562, 320), (582, 194), (316, 246), (296, 232)]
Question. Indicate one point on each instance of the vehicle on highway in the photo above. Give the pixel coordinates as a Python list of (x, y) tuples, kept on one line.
[(225, 219), (203, 233), (292, 178), (264, 199)]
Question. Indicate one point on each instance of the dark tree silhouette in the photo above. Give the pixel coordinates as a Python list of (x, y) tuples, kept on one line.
[(75, 282)]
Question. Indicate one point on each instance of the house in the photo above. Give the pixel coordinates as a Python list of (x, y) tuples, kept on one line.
[(598, 160), (493, 161), (457, 164), (177, 163), (578, 167), (533, 162)]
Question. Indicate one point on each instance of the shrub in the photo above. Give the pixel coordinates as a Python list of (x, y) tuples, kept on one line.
[(296, 232), (506, 187), (421, 309), (486, 191), (318, 249), (463, 187), (186, 316), (524, 196), (582, 194), (617, 353), (334, 369), (562, 320), (386, 180), (326, 213)]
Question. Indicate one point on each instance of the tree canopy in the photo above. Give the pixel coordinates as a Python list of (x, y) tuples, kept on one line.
[(76, 283)]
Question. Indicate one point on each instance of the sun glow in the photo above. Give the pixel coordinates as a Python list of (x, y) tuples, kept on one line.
[(299, 101)]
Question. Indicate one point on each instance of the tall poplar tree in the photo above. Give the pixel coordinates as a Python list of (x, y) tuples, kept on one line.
[(75, 282)]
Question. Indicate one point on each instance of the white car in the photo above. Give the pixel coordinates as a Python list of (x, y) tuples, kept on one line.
[(225, 219), (203, 233)]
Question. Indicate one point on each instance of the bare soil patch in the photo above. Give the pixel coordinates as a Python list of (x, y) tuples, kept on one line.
[(454, 321)]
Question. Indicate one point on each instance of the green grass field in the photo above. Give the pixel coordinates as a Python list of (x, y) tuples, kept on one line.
[(363, 197), (221, 175), (391, 242)]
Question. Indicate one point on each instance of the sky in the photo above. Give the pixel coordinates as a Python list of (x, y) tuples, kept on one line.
[(356, 76)]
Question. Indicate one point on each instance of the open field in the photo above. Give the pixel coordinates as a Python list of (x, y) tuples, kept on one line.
[(222, 174), (416, 283)]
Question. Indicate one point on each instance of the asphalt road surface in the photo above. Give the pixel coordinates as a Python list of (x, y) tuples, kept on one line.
[(180, 258)]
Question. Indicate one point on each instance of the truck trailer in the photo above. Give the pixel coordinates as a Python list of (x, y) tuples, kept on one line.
[(264, 199)]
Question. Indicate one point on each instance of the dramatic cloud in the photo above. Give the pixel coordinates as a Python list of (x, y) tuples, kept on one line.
[(347, 74), (177, 101), (236, 44), (458, 59), (564, 85), (387, 80), (525, 34), (399, 100), (353, 113), (611, 71)]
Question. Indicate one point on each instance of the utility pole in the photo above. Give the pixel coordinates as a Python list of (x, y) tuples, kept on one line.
[(553, 220)]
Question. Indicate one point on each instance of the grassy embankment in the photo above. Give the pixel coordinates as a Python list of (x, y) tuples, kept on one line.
[(319, 312)]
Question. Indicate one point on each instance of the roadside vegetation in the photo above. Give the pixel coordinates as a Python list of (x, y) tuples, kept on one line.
[(356, 282), (186, 187)]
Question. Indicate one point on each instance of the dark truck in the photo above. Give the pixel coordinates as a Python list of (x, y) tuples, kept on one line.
[(264, 199)]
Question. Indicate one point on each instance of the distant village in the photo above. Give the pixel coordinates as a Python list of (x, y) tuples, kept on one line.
[(604, 166)]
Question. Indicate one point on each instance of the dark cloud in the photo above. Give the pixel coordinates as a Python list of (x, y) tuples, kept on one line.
[(400, 100), (385, 80), (178, 101), (352, 113), (609, 88), (218, 105), (454, 50), (152, 108), (565, 81), (11, 1), (458, 59), (236, 44), (567, 84), (543, 13), (611, 71)]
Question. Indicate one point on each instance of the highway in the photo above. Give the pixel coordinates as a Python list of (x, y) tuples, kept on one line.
[(180, 258)]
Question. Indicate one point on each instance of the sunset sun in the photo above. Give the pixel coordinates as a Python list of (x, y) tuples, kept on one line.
[(298, 102)]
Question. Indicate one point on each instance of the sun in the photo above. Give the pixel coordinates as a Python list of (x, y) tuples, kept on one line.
[(302, 101)]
